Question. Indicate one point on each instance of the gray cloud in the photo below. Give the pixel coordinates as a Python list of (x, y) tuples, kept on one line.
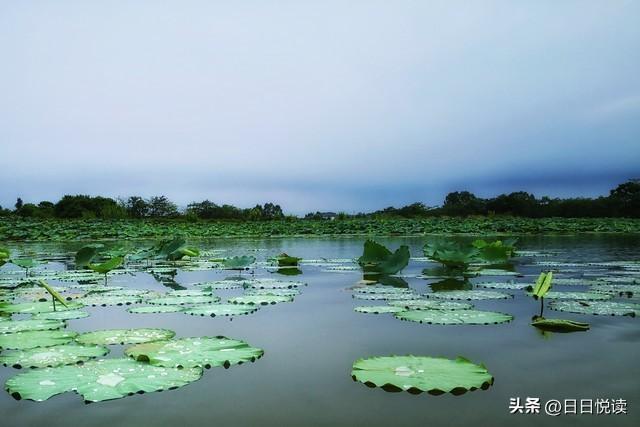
[(317, 105)]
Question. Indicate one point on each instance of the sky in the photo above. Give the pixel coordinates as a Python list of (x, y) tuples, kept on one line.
[(317, 105)]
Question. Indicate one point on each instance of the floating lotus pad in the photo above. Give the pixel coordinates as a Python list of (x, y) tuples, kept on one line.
[(279, 292), (99, 380), (274, 284), (560, 325), (420, 304), (124, 336), (13, 326), (378, 309), (188, 293), (149, 309), (382, 290), (260, 299), (468, 295), (454, 317), (586, 296), (496, 272), (572, 281), (605, 308), (38, 307), (33, 339), (204, 352), (417, 374), (506, 285), (616, 289), (102, 299), (214, 310), (386, 297), (201, 299), (221, 284), (62, 315), (49, 357)]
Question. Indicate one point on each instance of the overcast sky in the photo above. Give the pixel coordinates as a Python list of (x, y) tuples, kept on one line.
[(317, 105)]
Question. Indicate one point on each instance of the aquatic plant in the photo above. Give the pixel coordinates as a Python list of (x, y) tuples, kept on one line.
[(378, 259), (107, 266)]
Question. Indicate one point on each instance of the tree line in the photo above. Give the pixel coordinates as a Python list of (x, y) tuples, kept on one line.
[(622, 201)]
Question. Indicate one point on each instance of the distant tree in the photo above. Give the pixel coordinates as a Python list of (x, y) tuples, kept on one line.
[(83, 206), (271, 211), (625, 199), (136, 207), (19, 204), (463, 203), (519, 203), (162, 207)]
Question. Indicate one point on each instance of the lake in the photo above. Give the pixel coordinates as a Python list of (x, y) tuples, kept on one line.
[(310, 344)]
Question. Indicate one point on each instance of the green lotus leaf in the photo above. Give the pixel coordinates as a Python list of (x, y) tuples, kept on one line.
[(48, 357), (386, 297), (260, 299), (33, 339), (274, 284), (37, 307), (61, 315), (86, 254), (107, 266), (454, 317), (285, 260), (124, 336), (220, 284), (103, 299), (381, 290), (618, 288), (201, 299), (559, 325), (542, 286), (417, 374), (25, 262), (99, 380), (214, 310), (496, 272), (374, 253), (376, 258), (189, 293), (585, 296), (11, 326), (503, 285), (604, 308), (54, 294), (280, 292), (204, 352), (5, 253), (420, 304), (149, 309), (572, 281), (378, 309), (238, 262), (468, 295)]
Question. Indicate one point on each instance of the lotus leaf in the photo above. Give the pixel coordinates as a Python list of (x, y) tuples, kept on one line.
[(559, 325), (378, 309), (260, 299), (417, 374), (605, 308), (455, 317), (155, 309), (33, 339), (48, 357), (61, 315), (420, 304), (201, 299), (11, 326), (214, 310), (124, 336), (468, 295)]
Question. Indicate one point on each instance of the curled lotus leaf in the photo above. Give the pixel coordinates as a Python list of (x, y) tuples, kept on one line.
[(421, 304), (378, 309), (260, 299), (584, 296), (62, 315), (200, 299), (33, 339), (151, 309), (99, 380), (204, 352), (468, 295), (48, 357), (12, 326), (603, 308), (124, 336), (560, 325), (454, 317), (417, 374), (214, 310)]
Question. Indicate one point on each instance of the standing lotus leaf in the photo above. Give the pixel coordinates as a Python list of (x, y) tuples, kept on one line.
[(124, 336), (33, 339), (12, 326), (214, 310), (204, 352), (417, 374), (49, 357), (99, 380), (454, 317)]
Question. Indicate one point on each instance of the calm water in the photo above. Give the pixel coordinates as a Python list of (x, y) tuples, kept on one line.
[(311, 344)]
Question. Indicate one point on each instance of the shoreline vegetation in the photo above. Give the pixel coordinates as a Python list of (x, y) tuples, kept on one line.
[(33, 229), (83, 217)]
